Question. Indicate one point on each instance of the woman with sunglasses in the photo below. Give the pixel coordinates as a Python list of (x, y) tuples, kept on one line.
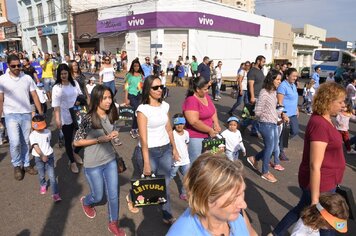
[(133, 91), (107, 74), (156, 145)]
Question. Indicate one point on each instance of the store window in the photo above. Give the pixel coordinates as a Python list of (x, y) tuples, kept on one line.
[(284, 49), (63, 9)]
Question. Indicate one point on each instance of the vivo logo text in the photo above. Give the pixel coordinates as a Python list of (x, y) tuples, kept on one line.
[(136, 22), (205, 21)]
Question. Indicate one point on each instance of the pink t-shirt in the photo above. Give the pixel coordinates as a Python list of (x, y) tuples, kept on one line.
[(206, 113)]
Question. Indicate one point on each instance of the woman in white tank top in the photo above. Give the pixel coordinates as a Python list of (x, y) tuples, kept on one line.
[(107, 74)]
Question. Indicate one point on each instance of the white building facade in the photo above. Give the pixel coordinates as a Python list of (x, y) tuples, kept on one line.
[(44, 25), (207, 29)]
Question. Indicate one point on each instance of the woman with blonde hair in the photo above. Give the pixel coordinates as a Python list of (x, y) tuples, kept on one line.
[(216, 191), (323, 164)]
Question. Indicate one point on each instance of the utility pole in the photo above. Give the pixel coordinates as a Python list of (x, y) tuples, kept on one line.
[(70, 29)]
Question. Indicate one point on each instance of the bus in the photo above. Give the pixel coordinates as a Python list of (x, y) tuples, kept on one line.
[(329, 59)]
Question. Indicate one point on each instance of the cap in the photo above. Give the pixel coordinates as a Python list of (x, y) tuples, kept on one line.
[(39, 84), (280, 108), (92, 78), (179, 121), (233, 118), (337, 223), (38, 125)]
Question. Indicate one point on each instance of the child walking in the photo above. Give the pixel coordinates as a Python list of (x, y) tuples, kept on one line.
[(342, 125), (331, 212), (310, 91), (233, 139), (40, 139), (181, 139)]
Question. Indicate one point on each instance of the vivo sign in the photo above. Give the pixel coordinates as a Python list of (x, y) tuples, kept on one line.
[(136, 22), (205, 21), (193, 20)]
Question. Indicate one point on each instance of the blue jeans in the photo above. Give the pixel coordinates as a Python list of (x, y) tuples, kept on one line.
[(18, 128), (161, 163), (269, 132), (233, 156), (134, 103), (48, 84), (111, 86), (294, 214), (48, 166), (239, 100), (99, 176), (218, 86), (195, 147), (183, 170)]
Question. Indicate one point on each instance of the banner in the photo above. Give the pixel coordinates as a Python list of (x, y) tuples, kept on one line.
[(194, 20)]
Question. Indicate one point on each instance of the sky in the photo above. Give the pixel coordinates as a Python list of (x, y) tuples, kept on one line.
[(12, 13), (336, 16)]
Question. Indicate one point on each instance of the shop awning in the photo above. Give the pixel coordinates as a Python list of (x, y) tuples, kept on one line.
[(109, 35)]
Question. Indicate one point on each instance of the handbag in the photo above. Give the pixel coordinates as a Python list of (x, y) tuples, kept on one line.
[(214, 145), (349, 197), (148, 191), (121, 166)]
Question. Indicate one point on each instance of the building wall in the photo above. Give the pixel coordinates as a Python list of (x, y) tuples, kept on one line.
[(217, 45), (3, 11), (56, 41), (244, 5), (314, 31), (282, 41)]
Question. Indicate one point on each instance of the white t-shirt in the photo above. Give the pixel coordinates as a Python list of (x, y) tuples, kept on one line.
[(351, 91), (181, 142), (90, 87), (42, 96), (43, 139), (157, 118), (218, 73), (107, 74), (243, 73), (233, 141), (64, 96), (16, 92), (300, 229), (163, 80)]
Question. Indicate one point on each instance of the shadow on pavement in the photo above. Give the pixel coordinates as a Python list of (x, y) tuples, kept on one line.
[(24, 232), (69, 189)]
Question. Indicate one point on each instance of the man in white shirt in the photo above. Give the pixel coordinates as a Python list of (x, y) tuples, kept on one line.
[(15, 91)]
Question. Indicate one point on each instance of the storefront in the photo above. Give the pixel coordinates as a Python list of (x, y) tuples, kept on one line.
[(232, 38)]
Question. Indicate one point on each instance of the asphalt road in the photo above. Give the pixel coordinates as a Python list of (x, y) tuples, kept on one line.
[(25, 212)]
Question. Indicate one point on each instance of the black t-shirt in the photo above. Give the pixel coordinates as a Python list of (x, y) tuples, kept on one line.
[(30, 71), (257, 76)]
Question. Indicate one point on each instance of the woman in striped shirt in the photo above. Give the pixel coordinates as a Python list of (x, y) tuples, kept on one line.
[(267, 117)]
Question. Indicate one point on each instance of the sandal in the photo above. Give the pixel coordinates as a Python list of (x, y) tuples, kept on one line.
[(130, 205)]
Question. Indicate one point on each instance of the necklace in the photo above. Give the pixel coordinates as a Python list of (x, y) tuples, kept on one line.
[(104, 119)]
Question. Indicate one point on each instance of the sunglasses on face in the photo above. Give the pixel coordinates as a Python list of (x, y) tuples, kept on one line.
[(14, 66), (157, 87)]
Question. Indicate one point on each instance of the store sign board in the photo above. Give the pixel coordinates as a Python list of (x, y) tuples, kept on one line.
[(10, 31), (48, 30), (194, 20)]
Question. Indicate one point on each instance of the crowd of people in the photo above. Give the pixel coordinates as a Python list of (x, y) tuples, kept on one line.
[(214, 185)]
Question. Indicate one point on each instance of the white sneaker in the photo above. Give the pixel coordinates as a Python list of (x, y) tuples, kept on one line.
[(352, 152)]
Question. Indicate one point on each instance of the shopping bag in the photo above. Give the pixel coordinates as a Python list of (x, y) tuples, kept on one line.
[(285, 134), (148, 191), (77, 113), (214, 145), (126, 113), (349, 197)]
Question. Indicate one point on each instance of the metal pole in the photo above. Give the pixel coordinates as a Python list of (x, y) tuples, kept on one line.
[(70, 29)]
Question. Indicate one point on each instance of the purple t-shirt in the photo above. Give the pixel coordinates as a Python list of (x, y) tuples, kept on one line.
[(206, 113)]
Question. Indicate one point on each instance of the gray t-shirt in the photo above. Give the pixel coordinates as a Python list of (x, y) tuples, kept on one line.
[(257, 76), (98, 154)]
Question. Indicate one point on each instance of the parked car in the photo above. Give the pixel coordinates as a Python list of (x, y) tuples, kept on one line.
[(305, 72)]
